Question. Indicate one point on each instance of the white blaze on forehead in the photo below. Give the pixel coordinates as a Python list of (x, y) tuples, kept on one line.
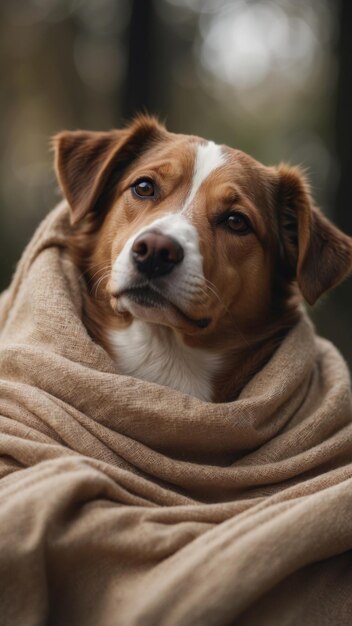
[(209, 157)]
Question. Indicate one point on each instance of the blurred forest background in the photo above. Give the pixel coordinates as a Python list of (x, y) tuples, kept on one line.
[(271, 77)]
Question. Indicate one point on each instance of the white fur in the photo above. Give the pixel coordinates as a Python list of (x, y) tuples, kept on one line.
[(156, 354), (209, 157)]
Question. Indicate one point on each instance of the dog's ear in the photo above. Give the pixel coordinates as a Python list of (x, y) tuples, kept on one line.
[(318, 253), (88, 164)]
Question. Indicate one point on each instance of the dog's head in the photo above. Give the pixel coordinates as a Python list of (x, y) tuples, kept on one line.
[(193, 235)]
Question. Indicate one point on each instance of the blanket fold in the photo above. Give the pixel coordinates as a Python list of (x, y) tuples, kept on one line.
[(124, 502)]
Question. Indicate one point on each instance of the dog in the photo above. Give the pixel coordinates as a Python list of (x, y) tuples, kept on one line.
[(196, 256)]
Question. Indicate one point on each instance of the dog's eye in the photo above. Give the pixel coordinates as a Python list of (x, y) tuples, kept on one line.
[(236, 223), (144, 188)]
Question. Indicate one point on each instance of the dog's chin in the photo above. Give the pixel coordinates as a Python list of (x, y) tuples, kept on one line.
[(150, 306)]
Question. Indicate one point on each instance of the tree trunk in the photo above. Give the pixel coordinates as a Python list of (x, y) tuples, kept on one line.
[(143, 87)]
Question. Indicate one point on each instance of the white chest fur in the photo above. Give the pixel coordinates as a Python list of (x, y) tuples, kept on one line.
[(156, 354)]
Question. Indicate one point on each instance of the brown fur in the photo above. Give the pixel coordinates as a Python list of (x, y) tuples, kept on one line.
[(256, 279)]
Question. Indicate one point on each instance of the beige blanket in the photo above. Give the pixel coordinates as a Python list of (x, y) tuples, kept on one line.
[(123, 502)]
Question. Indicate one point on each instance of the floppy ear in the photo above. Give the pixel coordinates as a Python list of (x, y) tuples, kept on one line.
[(88, 164), (318, 253)]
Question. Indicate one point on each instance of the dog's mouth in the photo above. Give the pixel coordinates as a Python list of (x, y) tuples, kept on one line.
[(147, 297)]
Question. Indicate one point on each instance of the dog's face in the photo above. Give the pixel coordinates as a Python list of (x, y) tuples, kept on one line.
[(192, 237), (196, 236)]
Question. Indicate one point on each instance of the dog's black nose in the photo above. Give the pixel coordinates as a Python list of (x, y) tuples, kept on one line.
[(155, 254)]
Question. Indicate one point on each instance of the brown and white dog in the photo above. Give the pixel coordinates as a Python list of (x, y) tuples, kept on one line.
[(195, 254)]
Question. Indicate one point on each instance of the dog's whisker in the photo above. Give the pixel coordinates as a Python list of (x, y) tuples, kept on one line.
[(212, 288), (101, 267), (97, 285)]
